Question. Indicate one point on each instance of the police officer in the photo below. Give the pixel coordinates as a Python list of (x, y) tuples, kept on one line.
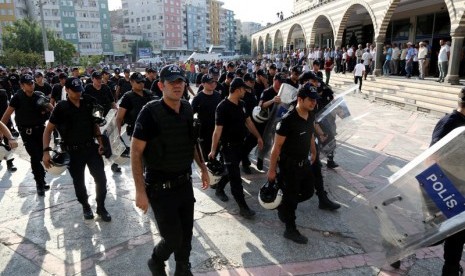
[(31, 111), (104, 97), (13, 78), (204, 105), (58, 90), (124, 84), (150, 77), (225, 85), (261, 83), (74, 120), (231, 127), (163, 146), (41, 85), (293, 142), (309, 78), (453, 245), (230, 68), (293, 79), (132, 103)]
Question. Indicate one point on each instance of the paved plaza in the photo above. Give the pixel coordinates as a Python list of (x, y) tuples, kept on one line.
[(48, 235)]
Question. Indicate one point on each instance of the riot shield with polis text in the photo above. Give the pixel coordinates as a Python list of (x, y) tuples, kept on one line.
[(423, 203)]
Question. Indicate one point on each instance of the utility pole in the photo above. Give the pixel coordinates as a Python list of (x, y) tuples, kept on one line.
[(44, 32)]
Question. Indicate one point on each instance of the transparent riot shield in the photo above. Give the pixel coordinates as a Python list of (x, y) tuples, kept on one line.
[(110, 129), (336, 122), (288, 94), (422, 204)]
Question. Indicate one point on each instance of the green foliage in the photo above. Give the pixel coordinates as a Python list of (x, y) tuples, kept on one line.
[(244, 44), (25, 36), (91, 61), (17, 58)]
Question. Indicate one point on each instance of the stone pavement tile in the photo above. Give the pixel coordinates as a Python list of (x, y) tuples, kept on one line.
[(359, 271), (12, 263)]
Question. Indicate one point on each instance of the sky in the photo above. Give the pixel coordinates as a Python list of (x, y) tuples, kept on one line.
[(260, 11)]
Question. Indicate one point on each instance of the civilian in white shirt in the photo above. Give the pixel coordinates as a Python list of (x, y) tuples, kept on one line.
[(395, 59), (359, 72), (443, 60), (422, 52), (367, 60)]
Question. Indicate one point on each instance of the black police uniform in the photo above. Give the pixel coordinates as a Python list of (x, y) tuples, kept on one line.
[(57, 92), (168, 157), (124, 86), (30, 120), (76, 126), (251, 101), (232, 117), (453, 245), (259, 88), (295, 168), (205, 106), (14, 81), (46, 89), (133, 103), (103, 96), (3, 106)]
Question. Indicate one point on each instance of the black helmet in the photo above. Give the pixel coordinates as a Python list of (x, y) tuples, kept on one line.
[(42, 101), (216, 170), (270, 195)]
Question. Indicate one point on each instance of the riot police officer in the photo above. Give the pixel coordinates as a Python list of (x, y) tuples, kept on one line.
[(102, 93), (162, 151), (231, 127), (132, 103), (293, 142), (31, 111), (74, 121)]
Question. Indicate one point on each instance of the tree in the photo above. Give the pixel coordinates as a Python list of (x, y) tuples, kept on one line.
[(26, 36), (17, 58), (91, 61), (244, 45)]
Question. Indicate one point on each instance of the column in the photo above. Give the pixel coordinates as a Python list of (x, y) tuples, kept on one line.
[(454, 60), (378, 59)]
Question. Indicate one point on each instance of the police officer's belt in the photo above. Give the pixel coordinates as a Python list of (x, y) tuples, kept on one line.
[(171, 183), (294, 162), (82, 146), (28, 129)]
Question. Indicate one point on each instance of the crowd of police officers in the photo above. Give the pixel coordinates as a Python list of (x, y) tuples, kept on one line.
[(155, 111)]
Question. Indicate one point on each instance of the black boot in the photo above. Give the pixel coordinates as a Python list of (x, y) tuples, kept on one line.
[(103, 213), (325, 203), (395, 264), (115, 168), (452, 270), (259, 164), (245, 211), (220, 189), (10, 166), (331, 164), (294, 235), (87, 211), (183, 269), (157, 267)]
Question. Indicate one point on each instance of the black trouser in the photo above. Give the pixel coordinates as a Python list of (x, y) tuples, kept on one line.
[(358, 79), (78, 160), (250, 143), (317, 175), (32, 139), (453, 248), (298, 186), (232, 154), (174, 214)]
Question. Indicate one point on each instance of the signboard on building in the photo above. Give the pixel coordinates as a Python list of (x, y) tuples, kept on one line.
[(145, 52)]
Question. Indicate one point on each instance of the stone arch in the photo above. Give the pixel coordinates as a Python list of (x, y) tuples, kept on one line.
[(261, 45), (350, 8), (325, 18), (381, 32), (278, 42), (254, 47), (268, 44), (295, 28)]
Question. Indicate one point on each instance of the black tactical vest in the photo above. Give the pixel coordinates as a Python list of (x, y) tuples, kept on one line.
[(172, 150)]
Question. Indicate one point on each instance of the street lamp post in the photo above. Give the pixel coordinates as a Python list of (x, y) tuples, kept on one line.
[(44, 32)]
